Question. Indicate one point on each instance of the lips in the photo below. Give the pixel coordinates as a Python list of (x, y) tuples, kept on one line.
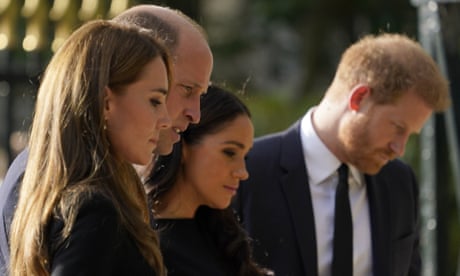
[(232, 189), (176, 130), (175, 135)]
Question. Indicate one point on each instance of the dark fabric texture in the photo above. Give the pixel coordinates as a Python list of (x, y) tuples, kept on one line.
[(187, 249), (275, 207), (342, 262), (97, 245)]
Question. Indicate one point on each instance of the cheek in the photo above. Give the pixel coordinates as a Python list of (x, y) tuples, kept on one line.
[(124, 110), (355, 134), (174, 103), (129, 126), (364, 138), (204, 168), (200, 166), (147, 119)]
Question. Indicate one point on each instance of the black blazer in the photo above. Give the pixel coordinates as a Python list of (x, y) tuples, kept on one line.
[(275, 207)]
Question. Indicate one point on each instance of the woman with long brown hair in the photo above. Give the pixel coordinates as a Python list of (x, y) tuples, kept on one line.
[(82, 208)]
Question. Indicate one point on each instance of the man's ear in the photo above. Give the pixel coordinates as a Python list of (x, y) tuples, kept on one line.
[(357, 96)]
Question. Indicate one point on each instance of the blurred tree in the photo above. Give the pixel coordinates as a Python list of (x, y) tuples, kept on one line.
[(30, 31), (189, 7), (295, 44)]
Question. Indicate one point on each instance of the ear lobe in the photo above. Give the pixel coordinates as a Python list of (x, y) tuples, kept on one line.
[(357, 95), (108, 94)]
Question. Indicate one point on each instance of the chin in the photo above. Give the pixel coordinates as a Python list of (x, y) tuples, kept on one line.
[(372, 168), (164, 149), (142, 162), (225, 206)]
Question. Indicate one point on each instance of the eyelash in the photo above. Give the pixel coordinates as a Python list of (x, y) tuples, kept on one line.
[(155, 102), (400, 129), (229, 153), (188, 89)]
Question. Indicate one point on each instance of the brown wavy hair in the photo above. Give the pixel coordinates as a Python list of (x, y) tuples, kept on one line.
[(69, 154)]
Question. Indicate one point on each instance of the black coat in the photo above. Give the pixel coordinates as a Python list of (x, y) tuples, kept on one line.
[(275, 207), (98, 245)]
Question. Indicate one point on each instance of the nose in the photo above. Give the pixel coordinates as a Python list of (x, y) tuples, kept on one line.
[(193, 111), (241, 173), (399, 146)]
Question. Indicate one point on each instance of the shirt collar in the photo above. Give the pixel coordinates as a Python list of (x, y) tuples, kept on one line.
[(314, 149)]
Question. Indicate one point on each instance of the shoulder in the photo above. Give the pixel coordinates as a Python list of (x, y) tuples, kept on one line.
[(276, 137), (397, 169), (9, 191), (98, 204), (95, 216), (13, 178), (273, 142), (93, 242), (398, 180)]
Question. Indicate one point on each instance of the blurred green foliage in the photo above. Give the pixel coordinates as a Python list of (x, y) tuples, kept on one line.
[(275, 113), (284, 53)]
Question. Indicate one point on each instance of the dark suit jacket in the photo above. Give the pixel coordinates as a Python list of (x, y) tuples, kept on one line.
[(275, 207)]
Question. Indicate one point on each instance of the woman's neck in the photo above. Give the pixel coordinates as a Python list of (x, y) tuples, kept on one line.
[(179, 202)]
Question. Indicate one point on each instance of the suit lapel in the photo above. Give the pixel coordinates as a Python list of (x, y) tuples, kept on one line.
[(296, 190), (380, 224)]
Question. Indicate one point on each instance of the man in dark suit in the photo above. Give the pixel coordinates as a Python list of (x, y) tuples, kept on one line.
[(384, 90), (193, 64)]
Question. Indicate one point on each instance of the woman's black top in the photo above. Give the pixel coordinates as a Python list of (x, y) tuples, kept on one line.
[(98, 244), (187, 249)]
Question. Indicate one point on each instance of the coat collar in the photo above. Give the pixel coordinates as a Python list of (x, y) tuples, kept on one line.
[(298, 197)]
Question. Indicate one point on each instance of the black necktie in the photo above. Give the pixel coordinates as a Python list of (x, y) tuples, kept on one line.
[(342, 262)]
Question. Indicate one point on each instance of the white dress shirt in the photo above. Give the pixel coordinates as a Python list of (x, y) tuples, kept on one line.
[(322, 173)]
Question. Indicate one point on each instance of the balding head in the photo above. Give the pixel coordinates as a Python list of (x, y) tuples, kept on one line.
[(192, 68), (167, 23)]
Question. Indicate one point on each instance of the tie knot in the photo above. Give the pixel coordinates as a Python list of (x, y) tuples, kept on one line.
[(343, 176), (343, 169)]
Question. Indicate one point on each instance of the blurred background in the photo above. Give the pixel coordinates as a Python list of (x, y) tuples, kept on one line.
[(279, 55)]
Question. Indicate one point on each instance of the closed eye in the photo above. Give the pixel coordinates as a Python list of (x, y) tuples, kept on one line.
[(400, 129), (229, 153), (155, 102), (188, 89)]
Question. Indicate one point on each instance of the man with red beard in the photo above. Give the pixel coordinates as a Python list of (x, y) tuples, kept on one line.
[(385, 88)]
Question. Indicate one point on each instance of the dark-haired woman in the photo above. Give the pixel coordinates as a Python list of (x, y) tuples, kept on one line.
[(190, 191)]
